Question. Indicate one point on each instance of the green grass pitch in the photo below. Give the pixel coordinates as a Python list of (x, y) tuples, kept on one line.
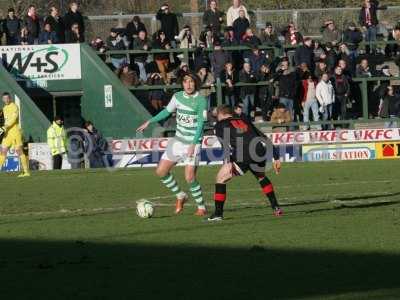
[(75, 235)]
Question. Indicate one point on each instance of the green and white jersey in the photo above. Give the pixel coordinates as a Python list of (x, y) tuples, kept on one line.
[(191, 112)]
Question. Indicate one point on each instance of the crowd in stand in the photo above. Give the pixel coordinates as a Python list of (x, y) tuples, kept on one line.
[(308, 80)]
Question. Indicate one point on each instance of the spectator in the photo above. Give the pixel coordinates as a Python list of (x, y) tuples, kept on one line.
[(345, 69), (186, 40), (389, 106), (74, 35), (265, 92), (56, 24), (156, 97), (326, 97), (318, 51), (269, 37), (344, 54), (321, 68), (234, 11), (32, 23), (169, 23), (182, 71), (352, 36), (330, 34), (292, 36), (56, 139), (141, 42), (394, 36), (257, 58), (369, 22), (11, 27), (162, 59), (207, 81), (73, 16), (127, 76), (281, 115), (95, 146), (305, 54), (229, 37), (133, 28), (218, 59), (229, 77), (213, 18), (24, 38), (331, 57), (250, 40), (287, 83), (309, 99), (238, 112), (247, 93), (48, 36), (115, 42), (207, 37), (341, 86), (240, 25), (363, 69), (98, 45)]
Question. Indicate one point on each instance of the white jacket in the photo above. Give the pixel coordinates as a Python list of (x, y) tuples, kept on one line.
[(233, 13), (325, 93)]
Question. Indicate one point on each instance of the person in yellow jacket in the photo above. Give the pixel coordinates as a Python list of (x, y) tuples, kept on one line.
[(56, 139), (12, 134)]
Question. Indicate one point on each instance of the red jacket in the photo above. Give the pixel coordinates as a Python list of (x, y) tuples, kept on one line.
[(304, 83)]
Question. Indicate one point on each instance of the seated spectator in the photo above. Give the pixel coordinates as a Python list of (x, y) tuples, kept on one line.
[(11, 27), (98, 45), (156, 97), (229, 77), (162, 59), (48, 36), (201, 57), (207, 81), (305, 54), (169, 23), (186, 40), (229, 37), (341, 86), (207, 37), (269, 37), (32, 23), (352, 36), (394, 36), (181, 71), (56, 24), (218, 59), (325, 94), (127, 76), (238, 112), (240, 25), (320, 69), (363, 69), (234, 12), (318, 50), (309, 99), (330, 34), (213, 17), (133, 28), (247, 93), (389, 106), (257, 58), (74, 36), (345, 69), (249, 39), (292, 36), (74, 16), (115, 42), (344, 54), (265, 92), (141, 42), (24, 38), (331, 57), (281, 115)]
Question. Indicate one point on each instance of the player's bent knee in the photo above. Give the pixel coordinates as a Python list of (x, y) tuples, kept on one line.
[(160, 172)]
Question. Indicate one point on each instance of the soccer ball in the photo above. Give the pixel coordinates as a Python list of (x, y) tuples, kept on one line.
[(144, 209)]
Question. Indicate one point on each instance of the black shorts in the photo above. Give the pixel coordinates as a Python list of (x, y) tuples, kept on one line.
[(240, 168)]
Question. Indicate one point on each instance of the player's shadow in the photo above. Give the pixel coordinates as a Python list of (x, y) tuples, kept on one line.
[(372, 196), (81, 270)]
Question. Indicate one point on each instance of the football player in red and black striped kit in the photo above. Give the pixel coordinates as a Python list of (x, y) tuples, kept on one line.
[(245, 149)]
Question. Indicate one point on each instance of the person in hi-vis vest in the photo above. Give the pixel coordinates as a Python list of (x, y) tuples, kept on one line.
[(12, 134), (56, 139)]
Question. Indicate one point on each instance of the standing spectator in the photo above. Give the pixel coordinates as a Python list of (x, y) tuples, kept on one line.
[(133, 28), (141, 42), (11, 27), (207, 37), (249, 39), (127, 76), (287, 83), (257, 58), (229, 37), (24, 38), (369, 22), (95, 146), (162, 59), (56, 24), (218, 59), (352, 36), (156, 97), (363, 69), (341, 86), (207, 81), (48, 36), (305, 54), (269, 37), (213, 18), (344, 54), (115, 42), (229, 77), (247, 93), (309, 99), (331, 57), (394, 35), (186, 40), (265, 92), (389, 106), (73, 35), (56, 139), (73, 16), (330, 34), (32, 23), (240, 25), (326, 97), (320, 69), (318, 51), (233, 12), (292, 36), (169, 23)]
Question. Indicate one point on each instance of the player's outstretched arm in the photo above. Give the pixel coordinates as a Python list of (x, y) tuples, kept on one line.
[(142, 127)]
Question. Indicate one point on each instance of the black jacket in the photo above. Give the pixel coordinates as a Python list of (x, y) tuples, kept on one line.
[(132, 30), (72, 38), (352, 38), (287, 85), (341, 85), (11, 27), (229, 91), (304, 54), (247, 78), (58, 26), (71, 18), (169, 24), (374, 17), (239, 27), (212, 19), (33, 26)]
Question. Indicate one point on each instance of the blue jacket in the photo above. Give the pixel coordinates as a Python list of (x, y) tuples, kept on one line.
[(45, 36)]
